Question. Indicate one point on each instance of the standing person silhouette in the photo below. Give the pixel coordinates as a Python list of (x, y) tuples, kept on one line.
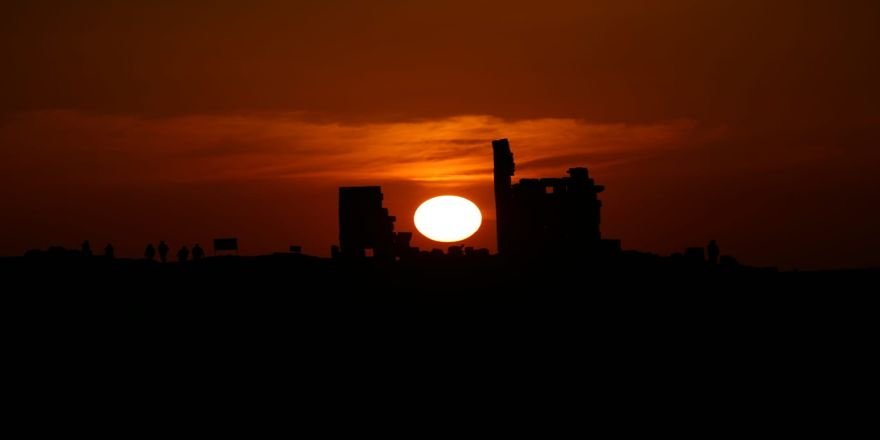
[(86, 249), (163, 251), (150, 252), (713, 251), (198, 252), (108, 251), (183, 254)]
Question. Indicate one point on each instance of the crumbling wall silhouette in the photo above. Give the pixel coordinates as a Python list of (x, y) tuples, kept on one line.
[(364, 224), (546, 216)]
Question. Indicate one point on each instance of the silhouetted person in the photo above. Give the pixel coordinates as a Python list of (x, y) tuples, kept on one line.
[(183, 254), (163, 251), (712, 250), (86, 249), (150, 252), (197, 252), (108, 251)]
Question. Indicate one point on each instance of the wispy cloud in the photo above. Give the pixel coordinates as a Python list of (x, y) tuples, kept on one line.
[(114, 149)]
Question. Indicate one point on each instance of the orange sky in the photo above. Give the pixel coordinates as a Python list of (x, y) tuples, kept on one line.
[(755, 123)]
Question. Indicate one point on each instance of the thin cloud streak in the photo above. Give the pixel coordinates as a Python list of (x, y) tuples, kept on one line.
[(120, 150)]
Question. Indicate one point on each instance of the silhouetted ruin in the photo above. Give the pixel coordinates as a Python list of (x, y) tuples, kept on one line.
[(365, 227), (547, 216), (228, 244)]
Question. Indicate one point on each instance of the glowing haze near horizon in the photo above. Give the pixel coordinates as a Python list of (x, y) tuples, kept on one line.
[(750, 122)]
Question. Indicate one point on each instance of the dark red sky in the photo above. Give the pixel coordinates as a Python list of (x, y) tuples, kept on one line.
[(756, 123)]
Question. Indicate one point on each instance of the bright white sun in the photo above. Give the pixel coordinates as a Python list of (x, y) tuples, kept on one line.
[(448, 218)]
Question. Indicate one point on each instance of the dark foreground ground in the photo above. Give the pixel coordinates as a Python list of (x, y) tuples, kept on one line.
[(279, 298), (598, 334)]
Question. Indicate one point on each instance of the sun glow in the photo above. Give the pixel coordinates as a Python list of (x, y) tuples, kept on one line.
[(448, 218)]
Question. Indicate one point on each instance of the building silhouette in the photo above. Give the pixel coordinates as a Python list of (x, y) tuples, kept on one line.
[(546, 216), (365, 228), (504, 167)]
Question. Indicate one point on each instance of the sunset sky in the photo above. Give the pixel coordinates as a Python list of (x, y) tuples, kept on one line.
[(755, 123)]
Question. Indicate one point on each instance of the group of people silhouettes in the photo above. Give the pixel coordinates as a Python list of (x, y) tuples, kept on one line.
[(150, 252), (86, 250), (182, 255)]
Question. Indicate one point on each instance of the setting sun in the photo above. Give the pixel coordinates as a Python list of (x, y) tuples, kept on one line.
[(448, 218)]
